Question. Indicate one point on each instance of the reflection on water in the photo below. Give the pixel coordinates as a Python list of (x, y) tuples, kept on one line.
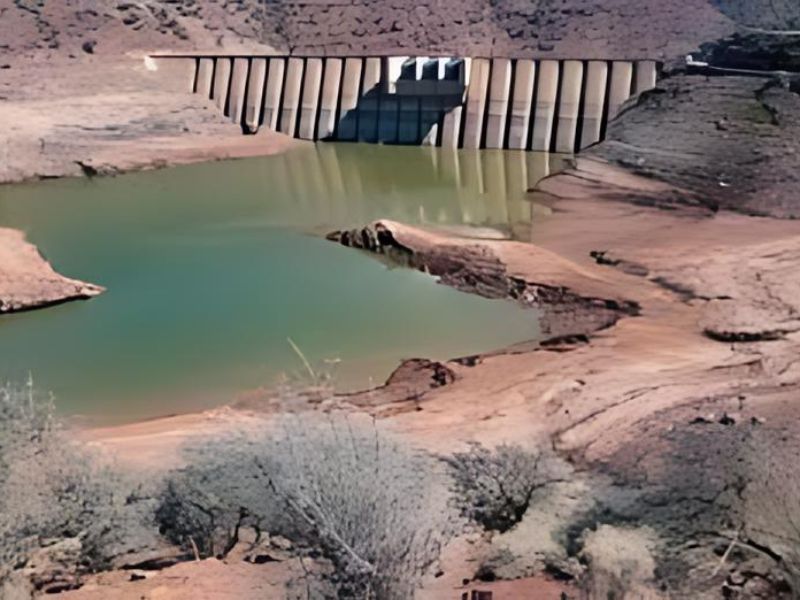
[(210, 268), (346, 185)]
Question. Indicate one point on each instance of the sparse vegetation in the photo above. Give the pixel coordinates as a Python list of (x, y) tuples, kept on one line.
[(333, 485), (494, 488), (205, 504), (336, 486), (52, 490)]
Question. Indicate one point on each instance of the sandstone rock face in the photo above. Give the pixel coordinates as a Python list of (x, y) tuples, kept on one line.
[(568, 28), (28, 281)]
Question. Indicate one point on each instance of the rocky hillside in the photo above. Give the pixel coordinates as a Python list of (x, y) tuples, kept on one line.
[(765, 14), (602, 28), (729, 141)]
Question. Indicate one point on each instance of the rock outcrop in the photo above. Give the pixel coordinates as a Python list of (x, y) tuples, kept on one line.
[(28, 281)]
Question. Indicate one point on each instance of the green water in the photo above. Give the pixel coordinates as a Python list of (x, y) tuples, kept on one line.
[(210, 268)]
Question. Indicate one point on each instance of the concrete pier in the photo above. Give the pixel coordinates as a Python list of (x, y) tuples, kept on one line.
[(476, 103), (392, 69), (620, 90), (291, 96), (545, 109), (273, 93), (368, 104), (222, 77), (310, 104), (330, 97), (241, 67), (499, 93), (255, 94), (351, 90), (451, 128), (521, 104), (594, 99), (568, 111), (429, 111), (205, 77), (646, 76)]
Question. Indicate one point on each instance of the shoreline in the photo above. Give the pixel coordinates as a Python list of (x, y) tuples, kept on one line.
[(28, 281), (562, 259), (134, 119), (643, 404)]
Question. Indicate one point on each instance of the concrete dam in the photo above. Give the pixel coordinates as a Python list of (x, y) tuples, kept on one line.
[(499, 103)]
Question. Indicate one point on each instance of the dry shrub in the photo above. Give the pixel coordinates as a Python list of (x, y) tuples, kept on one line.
[(337, 485), (52, 489), (494, 488)]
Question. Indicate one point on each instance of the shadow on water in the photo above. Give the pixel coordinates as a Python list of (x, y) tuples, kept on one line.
[(210, 268)]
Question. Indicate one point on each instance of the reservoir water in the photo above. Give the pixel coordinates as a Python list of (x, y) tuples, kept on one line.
[(211, 268)]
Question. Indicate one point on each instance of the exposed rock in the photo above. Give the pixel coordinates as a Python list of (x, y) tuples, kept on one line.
[(749, 163), (28, 281), (410, 382), (767, 14), (134, 119), (570, 303), (576, 28), (753, 51), (49, 570)]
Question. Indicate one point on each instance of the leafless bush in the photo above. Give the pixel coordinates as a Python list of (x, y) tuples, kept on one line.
[(51, 489), (205, 504), (374, 507), (494, 488)]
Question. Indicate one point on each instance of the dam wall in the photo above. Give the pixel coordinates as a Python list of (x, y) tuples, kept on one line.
[(494, 103)]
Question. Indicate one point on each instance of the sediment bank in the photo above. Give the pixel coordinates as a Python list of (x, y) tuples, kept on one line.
[(27, 281)]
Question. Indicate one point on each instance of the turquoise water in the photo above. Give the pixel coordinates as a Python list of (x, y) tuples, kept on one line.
[(210, 268)]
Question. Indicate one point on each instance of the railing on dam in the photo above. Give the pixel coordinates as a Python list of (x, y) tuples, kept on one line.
[(542, 105)]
